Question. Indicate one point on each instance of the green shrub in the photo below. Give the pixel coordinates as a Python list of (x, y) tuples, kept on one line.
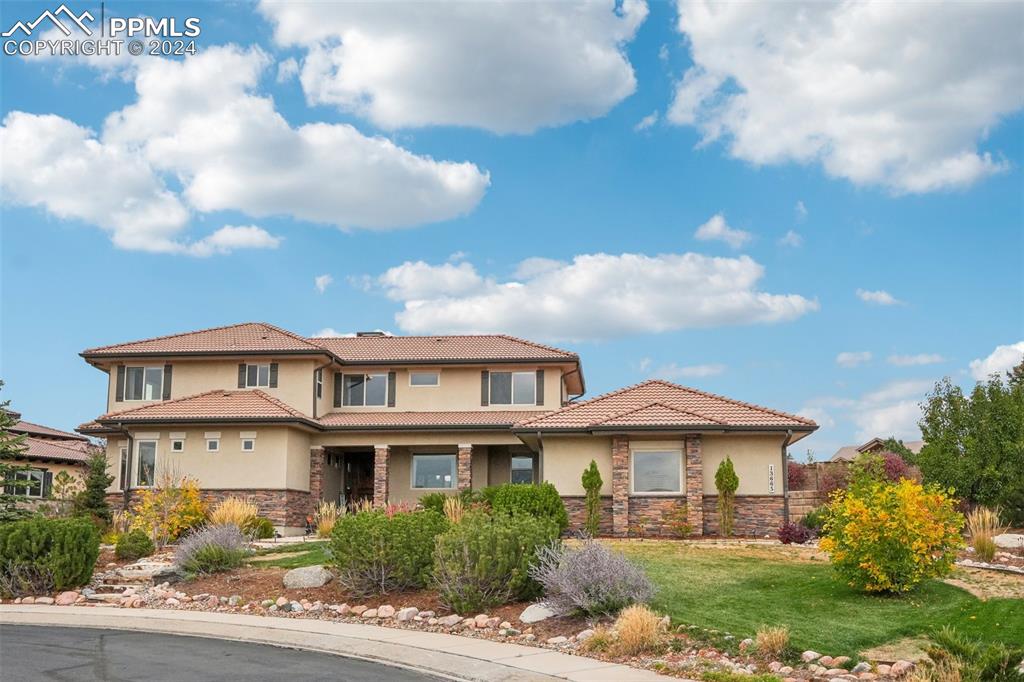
[(592, 485), (376, 553), (726, 482), (211, 549), (542, 501), (484, 561), (65, 550), (815, 519), (258, 528), (435, 501), (134, 545), (970, 660), (213, 559)]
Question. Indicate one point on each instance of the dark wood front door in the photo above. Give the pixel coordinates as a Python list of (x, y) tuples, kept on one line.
[(358, 477)]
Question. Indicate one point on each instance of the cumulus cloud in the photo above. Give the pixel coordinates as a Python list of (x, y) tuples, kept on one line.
[(891, 94), (287, 70), (880, 297), (673, 371), (646, 122), (232, 238), (321, 282), (595, 296), (1002, 359), (892, 410), (791, 238), (717, 229), (913, 360), (508, 67), (850, 359)]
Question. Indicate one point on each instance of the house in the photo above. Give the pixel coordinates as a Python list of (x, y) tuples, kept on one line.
[(47, 452), (848, 453), (255, 410)]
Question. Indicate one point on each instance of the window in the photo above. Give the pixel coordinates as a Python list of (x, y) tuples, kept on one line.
[(147, 462), (433, 471), (35, 483), (248, 445), (522, 470), (424, 378), (213, 444), (257, 375), (513, 388), (143, 383), (365, 389), (657, 471), (320, 383), (123, 481), (177, 445)]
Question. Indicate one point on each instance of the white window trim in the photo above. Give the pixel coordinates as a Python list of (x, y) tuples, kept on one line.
[(249, 440), (319, 379), (145, 368), (632, 473), (412, 470), (257, 365), (344, 391), (533, 467), (435, 372), (122, 454), (215, 442), (25, 475), (138, 459), (512, 387), (175, 441)]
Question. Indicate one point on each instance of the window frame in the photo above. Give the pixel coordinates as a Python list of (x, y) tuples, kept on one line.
[(435, 372), (28, 475), (532, 469), (512, 387), (681, 491), (124, 465), (175, 442), (252, 441), (455, 470), (345, 400), (145, 369), (215, 442), (319, 380), (138, 461), (258, 367)]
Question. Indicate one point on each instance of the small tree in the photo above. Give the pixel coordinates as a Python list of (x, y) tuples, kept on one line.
[(92, 501), (65, 488), (726, 481), (11, 447), (592, 484)]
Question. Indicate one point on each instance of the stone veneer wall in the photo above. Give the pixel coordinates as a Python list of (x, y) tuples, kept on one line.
[(756, 515), (620, 486), (381, 473), (654, 514), (464, 467), (284, 508), (576, 507)]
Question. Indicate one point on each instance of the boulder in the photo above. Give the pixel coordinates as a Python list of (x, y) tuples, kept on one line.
[(44, 600), (370, 613), (901, 668), (307, 577), (281, 601), (66, 598), (385, 611), (585, 635), (557, 640), (407, 614), (809, 656), (358, 610), (537, 612), (450, 621), (861, 667)]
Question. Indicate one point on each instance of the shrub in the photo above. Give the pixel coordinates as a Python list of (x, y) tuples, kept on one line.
[(798, 533), (638, 631), (454, 509), (894, 466), (233, 510), (61, 551), (678, 523), (133, 545), (590, 579), (470, 499), (955, 657), (376, 553), (259, 528), (982, 527), (796, 475), (170, 509), (888, 537), (91, 501), (484, 561), (815, 519), (540, 500), (211, 549), (327, 514), (592, 485), (602, 640), (832, 479), (772, 642), (726, 482)]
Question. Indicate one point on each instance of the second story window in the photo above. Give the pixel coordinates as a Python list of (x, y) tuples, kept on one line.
[(513, 388), (365, 389), (257, 375), (424, 378), (320, 383), (143, 383)]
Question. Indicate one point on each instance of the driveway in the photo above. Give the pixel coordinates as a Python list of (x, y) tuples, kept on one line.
[(57, 653)]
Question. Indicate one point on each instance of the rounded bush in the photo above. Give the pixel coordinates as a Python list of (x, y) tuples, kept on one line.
[(133, 545), (888, 537), (63, 551), (259, 528), (211, 549), (590, 579), (540, 500)]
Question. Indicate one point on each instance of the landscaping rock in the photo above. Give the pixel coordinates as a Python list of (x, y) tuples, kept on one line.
[(171, 601), (28, 600), (901, 668), (809, 656), (825, 661), (585, 635), (295, 607), (385, 611), (529, 637), (883, 669), (267, 603), (66, 598), (450, 621), (358, 610), (557, 640), (342, 610), (281, 601), (836, 671), (212, 601), (427, 614), (746, 644), (406, 614), (861, 667), (44, 600), (492, 622), (775, 666), (785, 670), (369, 613), (481, 620), (537, 612), (307, 577), (840, 661)]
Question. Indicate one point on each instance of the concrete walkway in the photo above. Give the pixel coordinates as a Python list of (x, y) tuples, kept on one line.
[(458, 658)]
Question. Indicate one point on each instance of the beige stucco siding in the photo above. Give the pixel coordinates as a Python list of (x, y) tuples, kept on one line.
[(75, 470), (751, 455), (395, 438), (565, 458)]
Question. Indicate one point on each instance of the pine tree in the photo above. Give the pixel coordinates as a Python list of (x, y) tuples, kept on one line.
[(11, 446), (92, 501), (592, 484)]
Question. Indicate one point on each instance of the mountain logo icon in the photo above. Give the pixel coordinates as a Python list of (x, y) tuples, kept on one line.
[(77, 20)]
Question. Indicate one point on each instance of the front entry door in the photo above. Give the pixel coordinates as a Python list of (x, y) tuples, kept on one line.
[(358, 478)]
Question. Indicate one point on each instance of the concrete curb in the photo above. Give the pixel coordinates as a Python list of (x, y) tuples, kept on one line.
[(450, 656)]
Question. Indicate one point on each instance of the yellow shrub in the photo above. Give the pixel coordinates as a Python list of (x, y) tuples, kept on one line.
[(638, 631), (168, 510), (327, 514), (234, 511), (888, 537), (772, 641)]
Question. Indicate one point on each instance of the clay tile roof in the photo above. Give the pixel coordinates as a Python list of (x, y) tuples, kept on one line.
[(220, 404), (66, 451), (657, 403), (392, 420), (493, 347), (44, 431), (242, 338)]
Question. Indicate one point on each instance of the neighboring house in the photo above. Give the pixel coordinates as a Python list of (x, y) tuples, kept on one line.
[(47, 452), (848, 453), (254, 410)]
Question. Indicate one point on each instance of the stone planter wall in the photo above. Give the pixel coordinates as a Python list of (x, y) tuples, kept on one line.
[(654, 514), (755, 515), (576, 507), (284, 508)]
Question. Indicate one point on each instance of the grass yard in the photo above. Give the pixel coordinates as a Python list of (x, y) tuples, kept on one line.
[(291, 555), (740, 588)]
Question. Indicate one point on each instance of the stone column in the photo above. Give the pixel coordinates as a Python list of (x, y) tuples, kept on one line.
[(695, 484), (381, 471), (620, 486), (316, 474), (465, 466)]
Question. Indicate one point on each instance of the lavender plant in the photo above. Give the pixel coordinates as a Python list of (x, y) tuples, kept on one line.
[(590, 579), (212, 549)]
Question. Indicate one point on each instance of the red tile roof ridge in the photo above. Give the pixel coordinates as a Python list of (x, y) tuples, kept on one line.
[(752, 406), (292, 335), (656, 403), (590, 401), (48, 429), (112, 416), (509, 337)]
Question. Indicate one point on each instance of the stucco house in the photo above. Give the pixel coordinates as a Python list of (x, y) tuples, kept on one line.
[(251, 409), (47, 452)]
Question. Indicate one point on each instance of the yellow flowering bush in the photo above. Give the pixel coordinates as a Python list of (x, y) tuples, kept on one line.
[(169, 509), (888, 537)]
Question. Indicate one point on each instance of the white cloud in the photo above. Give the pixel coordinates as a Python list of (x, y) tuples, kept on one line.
[(232, 238), (595, 296), (287, 70), (1002, 359), (508, 67), (321, 282), (717, 229), (801, 211), (899, 390), (879, 297), (331, 332), (646, 122), (791, 238), (853, 358), (892, 409), (890, 94), (644, 364), (820, 415), (913, 360), (674, 371)]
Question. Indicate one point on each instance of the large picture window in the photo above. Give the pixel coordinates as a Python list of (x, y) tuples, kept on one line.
[(513, 388), (365, 389), (657, 471), (433, 471), (143, 383), (147, 463)]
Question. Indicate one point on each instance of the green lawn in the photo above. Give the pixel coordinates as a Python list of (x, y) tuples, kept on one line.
[(739, 589), (304, 554)]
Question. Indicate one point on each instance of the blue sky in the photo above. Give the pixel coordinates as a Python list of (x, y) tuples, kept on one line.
[(492, 173)]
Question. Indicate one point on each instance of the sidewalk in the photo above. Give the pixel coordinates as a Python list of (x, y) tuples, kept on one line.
[(451, 656)]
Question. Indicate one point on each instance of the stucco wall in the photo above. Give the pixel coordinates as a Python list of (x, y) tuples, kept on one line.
[(565, 458), (77, 471), (751, 455), (452, 438)]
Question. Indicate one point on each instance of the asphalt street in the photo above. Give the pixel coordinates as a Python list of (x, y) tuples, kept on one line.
[(58, 653)]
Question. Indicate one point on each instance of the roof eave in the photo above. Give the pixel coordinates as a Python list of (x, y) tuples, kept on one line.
[(704, 428), (417, 427), (209, 420), (90, 355)]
